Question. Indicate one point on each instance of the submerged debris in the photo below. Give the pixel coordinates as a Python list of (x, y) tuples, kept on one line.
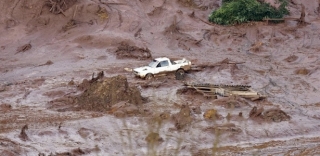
[(291, 58), (59, 6), (23, 135), (183, 118), (275, 115), (255, 112), (24, 48)]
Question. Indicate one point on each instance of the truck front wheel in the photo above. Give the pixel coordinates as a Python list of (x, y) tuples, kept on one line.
[(149, 77), (180, 74)]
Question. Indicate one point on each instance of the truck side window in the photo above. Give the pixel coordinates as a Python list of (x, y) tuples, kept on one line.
[(159, 65), (164, 63)]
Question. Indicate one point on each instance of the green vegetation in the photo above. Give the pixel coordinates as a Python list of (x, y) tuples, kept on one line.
[(240, 11)]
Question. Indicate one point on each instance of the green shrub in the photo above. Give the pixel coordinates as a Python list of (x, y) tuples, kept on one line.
[(240, 11)]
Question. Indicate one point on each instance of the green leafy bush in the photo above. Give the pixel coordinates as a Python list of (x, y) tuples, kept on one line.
[(240, 11)]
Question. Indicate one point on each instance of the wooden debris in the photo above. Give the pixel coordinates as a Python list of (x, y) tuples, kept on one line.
[(211, 90)]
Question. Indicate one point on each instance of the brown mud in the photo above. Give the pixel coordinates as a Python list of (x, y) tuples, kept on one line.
[(49, 97)]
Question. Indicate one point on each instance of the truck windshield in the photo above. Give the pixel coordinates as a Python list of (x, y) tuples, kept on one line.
[(153, 63)]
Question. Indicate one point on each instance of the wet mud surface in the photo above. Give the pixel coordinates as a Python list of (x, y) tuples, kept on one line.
[(51, 103)]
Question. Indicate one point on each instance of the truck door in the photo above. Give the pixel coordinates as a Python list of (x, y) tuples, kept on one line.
[(163, 66)]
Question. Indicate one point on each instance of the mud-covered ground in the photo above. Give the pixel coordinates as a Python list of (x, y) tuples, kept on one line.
[(46, 107)]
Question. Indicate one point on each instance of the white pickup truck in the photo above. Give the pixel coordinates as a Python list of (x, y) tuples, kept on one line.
[(162, 66)]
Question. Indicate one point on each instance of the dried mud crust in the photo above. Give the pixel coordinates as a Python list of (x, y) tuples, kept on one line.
[(101, 94), (125, 50)]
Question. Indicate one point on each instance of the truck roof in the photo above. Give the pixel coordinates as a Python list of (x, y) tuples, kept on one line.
[(161, 59)]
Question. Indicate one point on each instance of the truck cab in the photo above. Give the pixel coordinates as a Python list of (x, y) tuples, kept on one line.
[(162, 66)]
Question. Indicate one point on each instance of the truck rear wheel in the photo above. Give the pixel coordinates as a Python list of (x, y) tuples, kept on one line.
[(180, 74), (149, 77)]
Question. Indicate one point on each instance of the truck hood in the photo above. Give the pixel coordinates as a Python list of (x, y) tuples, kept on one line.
[(141, 69)]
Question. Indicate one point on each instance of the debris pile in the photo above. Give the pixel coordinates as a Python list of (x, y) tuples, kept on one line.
[(101, 95), (276, 115), (112, 95), (127, 51)]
